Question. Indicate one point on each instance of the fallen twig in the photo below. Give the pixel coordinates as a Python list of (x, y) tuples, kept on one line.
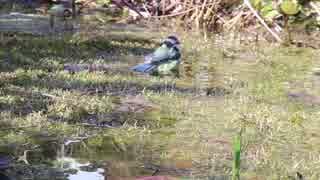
[(194, 7), (13, 128), (46, 95)]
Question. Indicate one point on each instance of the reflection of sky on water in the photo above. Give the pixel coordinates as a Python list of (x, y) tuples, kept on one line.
[(81, 175)]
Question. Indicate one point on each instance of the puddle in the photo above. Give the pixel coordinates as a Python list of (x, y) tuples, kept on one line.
[(91, 173), (94, 158)]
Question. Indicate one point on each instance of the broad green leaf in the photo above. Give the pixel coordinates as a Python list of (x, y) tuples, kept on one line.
[(271, 14), (289, 7)]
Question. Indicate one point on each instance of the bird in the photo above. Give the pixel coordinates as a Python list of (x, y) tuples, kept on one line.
[(164, 60)]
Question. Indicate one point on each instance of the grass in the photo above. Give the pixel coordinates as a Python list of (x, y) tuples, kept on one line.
[(236, 157), (281, 136)]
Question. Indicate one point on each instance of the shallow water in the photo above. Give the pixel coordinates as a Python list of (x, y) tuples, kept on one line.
[(72, 163)]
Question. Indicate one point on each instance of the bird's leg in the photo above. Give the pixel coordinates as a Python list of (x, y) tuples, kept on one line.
[(74, 13), (51, 19)]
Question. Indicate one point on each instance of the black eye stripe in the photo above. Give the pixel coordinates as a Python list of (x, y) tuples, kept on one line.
[(168, 44)]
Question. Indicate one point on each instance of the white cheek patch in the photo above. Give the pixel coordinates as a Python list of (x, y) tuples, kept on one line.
[(164, 46)]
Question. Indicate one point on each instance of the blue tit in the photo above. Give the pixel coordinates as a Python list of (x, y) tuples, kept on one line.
[(164, 60)]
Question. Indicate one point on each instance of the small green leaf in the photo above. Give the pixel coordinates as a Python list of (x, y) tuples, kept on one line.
[(289, 7), (257, 4), (268, 12)]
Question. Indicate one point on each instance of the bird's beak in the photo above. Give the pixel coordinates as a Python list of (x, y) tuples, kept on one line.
[(179, 47)]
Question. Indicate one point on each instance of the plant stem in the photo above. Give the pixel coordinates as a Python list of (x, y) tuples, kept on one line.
[(236, 157)]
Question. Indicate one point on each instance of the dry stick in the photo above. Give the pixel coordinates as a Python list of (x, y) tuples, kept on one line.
[(246, 2), (221, 18), (209, 11), (146, 9), (201, 11), (48, 95), (176, 14), (209, 17), (234, 21), (164, 7), (181, 13)]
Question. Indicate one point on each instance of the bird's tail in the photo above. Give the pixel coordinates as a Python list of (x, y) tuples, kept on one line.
[(145, 68)]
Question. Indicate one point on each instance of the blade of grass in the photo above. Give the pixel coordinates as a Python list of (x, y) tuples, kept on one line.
[(236, 157)]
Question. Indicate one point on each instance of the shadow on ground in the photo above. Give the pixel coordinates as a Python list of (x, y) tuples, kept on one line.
[(28, 52)]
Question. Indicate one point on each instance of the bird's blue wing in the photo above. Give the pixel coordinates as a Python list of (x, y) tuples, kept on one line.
[(160, 55), (146, 68)]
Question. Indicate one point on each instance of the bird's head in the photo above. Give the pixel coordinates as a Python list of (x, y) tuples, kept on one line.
[(171, 41)]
